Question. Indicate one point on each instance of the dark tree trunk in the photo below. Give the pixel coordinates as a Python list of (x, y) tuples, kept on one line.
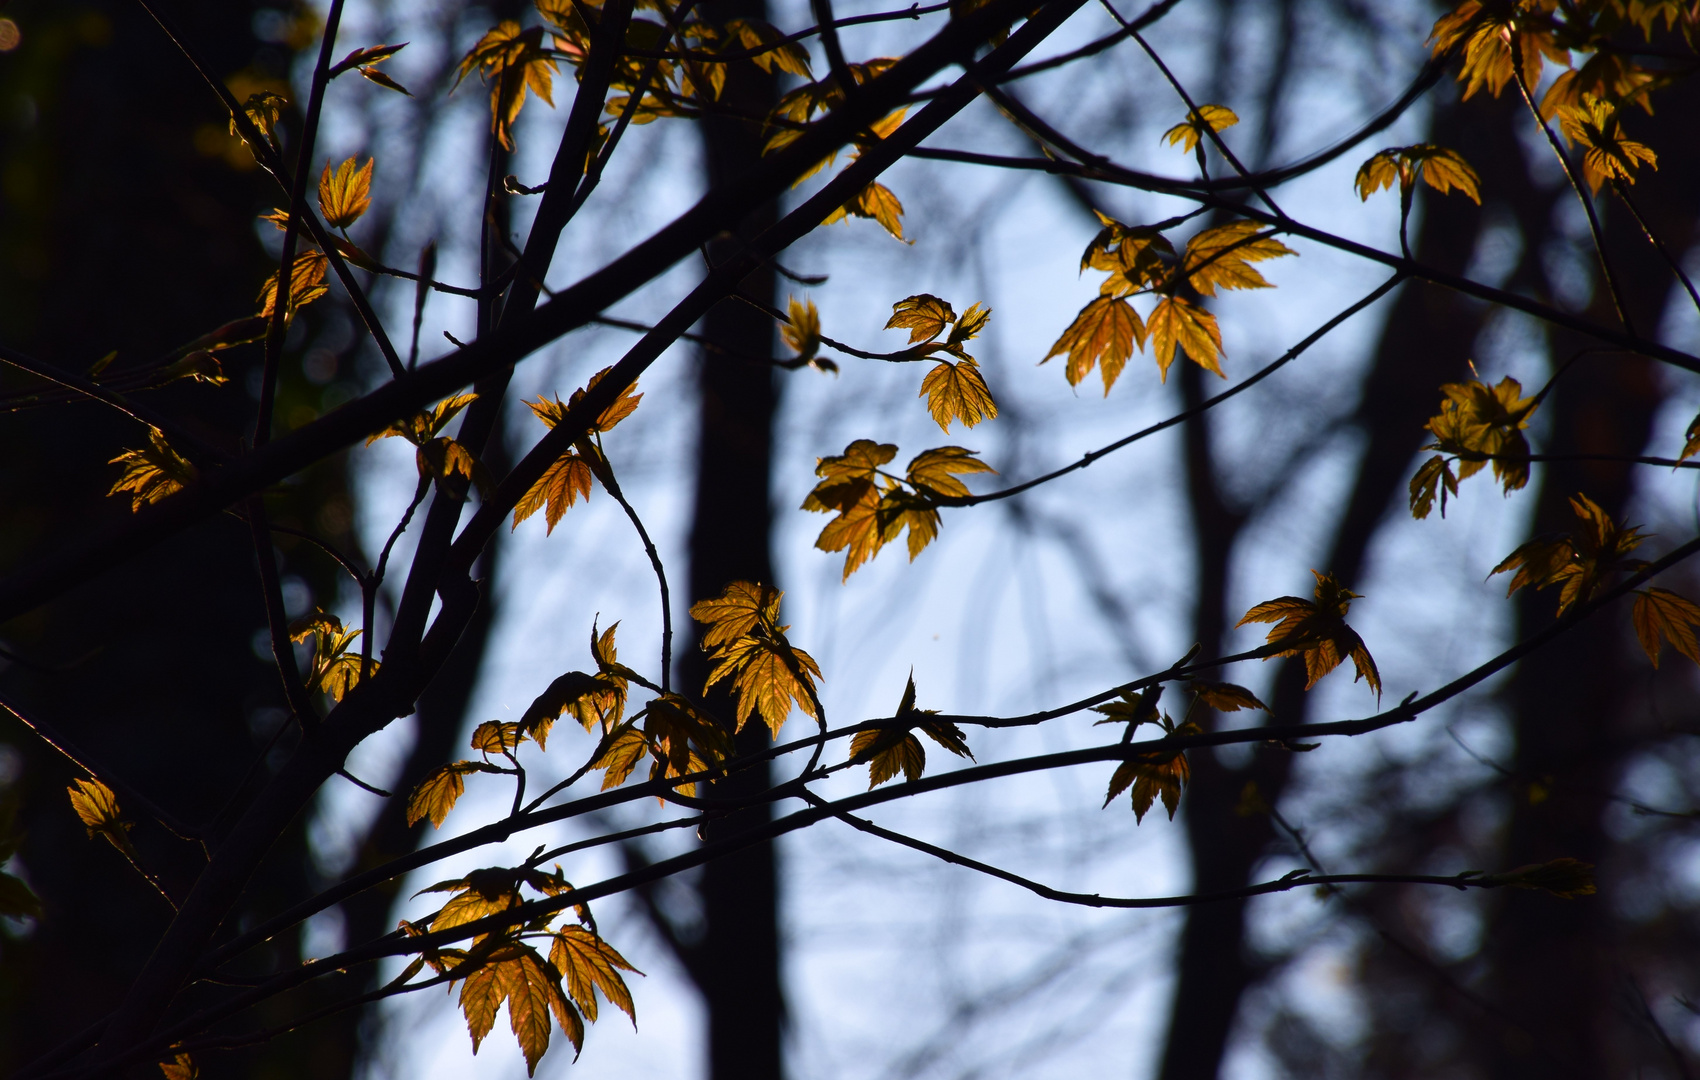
[(736, 962), (88, 265)]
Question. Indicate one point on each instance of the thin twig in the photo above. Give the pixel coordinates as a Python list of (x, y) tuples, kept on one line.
[(1575, 185), (613, 486)]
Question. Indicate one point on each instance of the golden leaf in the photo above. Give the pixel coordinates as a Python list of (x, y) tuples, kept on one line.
[(924, 315), (887, 754), (1159, 774), (621, 407), (1440, 168), (1610, 156), (1578, 562), (562, 484), (736, 612), (1483, 425), (746, 643), (1176, 323), (181, 1067), (1316, 631), (876, 203), (335, 668), (97, 807), (1190, 131), (153, 472), (619, 754), (1660, 611), (263, 109), (753, 34), (480, 999), (855, 531), (592, 700), (802, 332), (1224, 696), (1221, 257), (958, 392), (437, 793), (1104, 333), (588, 964), (532, 988), (899, 510), (422, 427), (346, 194), (1433, 477), (306, 283), (931, 472), (517, 61)]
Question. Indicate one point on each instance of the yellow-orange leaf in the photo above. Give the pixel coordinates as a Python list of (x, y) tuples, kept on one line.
[(958, 392), (588, 964), (437, 793), (561, 485), (801, 333), (306, 283), (345, 194), (153, 472), (1190, 131), (924, 315), (97, 808), (181, 1067), (1103, 335), (1175, 323), (1317, 631), (1660, 611), (933, 471)]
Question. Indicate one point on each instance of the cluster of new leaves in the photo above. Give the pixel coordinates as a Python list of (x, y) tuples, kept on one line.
[(335, 667), (954, 390), (306, 284), (153, 472), (596, 701), (1609, 154), (1192, 133), (1441, 169), (1577, 562), (513, 61), (890, 750), (790, 117), (1580, 562), (1501, 40), (674, 68), (503, 966), (874, 506), (1140, 260), (1316, 631), (746, 643), (365, 61), (437, 455), (567, 479), (1478, 426), (1155, 774)]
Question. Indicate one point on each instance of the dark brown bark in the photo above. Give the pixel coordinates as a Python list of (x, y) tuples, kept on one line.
[(736, 962)]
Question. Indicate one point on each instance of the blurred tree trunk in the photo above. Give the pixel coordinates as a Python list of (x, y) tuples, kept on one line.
[(736, 962)]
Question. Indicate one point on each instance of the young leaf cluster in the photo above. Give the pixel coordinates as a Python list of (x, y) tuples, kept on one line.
[(1140, 261), (874, 507), (1478, 426)]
